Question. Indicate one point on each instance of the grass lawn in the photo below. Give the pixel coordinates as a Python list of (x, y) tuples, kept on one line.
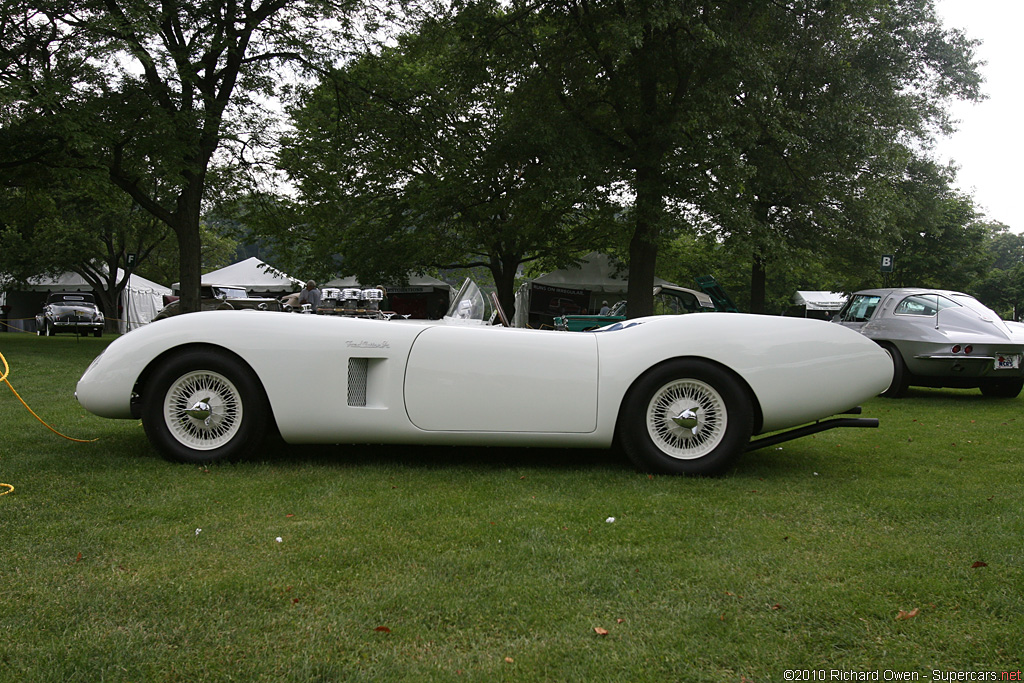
[(370, 563)]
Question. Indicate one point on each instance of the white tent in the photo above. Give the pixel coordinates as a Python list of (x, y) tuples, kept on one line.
[(596, 277), (253, 274), (140, 300), (816, 304), (820, 301)]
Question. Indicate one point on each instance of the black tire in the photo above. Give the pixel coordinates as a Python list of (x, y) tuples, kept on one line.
[(97, 333), (900, 377), (236, 408), (1003, 388), (685, 417)]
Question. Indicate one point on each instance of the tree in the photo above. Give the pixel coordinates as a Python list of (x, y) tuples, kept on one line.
[(941, 241), (833, 103), (141, 90), (50, 228), (764, 120), (645, 83), (1002, 288), (431, 153)]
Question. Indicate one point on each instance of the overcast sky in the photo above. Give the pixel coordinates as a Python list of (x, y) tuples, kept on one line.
[(989, 147)]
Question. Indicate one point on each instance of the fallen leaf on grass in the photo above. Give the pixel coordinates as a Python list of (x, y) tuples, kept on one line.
[(777, 606), (903, 616), (600, 631), (382, 629), (78, 558), (509, 660), (979, 563)]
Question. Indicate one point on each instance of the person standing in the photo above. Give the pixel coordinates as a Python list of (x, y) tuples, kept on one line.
[(310, 295)]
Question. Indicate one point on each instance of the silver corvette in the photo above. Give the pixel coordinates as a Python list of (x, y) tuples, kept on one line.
[(681, 394), (939, 338)]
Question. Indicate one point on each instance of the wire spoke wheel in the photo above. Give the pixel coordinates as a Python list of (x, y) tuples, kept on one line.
[(203, 410), (203, 405), (687, 419), (686, 416)]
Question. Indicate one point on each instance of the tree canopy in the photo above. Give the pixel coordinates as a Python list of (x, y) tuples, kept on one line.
[(428, 154), (500, 133), (153, 96)]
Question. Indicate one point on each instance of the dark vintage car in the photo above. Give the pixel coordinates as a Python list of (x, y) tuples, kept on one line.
[(939, 338), (74, 312), (222, 298)]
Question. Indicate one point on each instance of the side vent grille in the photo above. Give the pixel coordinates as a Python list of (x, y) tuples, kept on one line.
[(357, 381)]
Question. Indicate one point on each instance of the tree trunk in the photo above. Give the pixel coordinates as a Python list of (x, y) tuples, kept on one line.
[(758, 264), (503, 269), (643, 246), (108, 301), (758, 278), (190, 253)]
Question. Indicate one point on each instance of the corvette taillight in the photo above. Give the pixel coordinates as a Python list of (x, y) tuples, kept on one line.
[(956, 349), (968, 349)]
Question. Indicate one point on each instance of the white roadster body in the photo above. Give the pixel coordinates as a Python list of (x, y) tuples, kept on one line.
[(683, 394)]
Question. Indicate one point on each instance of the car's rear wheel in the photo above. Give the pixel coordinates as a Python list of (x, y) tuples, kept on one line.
[(900, 377), (1003, 388), (686, 417), (202, 406)]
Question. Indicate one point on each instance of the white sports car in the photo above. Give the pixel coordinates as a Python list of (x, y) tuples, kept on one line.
[(681, 394)]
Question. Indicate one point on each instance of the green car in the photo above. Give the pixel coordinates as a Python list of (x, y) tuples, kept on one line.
[(668, 300)]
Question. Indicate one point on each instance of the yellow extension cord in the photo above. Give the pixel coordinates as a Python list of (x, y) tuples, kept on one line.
[(3, 377)]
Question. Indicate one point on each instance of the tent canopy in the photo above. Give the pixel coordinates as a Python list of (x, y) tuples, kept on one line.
[(596, 273), (588, 284), (820, 300), (75, 282), (253, 274), (140, 300)]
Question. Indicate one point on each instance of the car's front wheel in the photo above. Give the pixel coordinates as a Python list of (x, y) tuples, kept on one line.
[(204, 405), (686, 417)]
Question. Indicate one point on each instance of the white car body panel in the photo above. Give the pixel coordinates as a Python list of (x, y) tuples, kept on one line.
[(490, 379), (796, 368), (449, 383)]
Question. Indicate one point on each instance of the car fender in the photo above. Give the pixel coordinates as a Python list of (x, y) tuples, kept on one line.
[(798, 370)]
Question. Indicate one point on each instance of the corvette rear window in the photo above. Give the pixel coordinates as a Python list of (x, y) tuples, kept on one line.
[(923, 304)]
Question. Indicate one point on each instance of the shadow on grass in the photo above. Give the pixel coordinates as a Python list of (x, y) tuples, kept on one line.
[(951, 394), (445, 457), (791, 459)]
